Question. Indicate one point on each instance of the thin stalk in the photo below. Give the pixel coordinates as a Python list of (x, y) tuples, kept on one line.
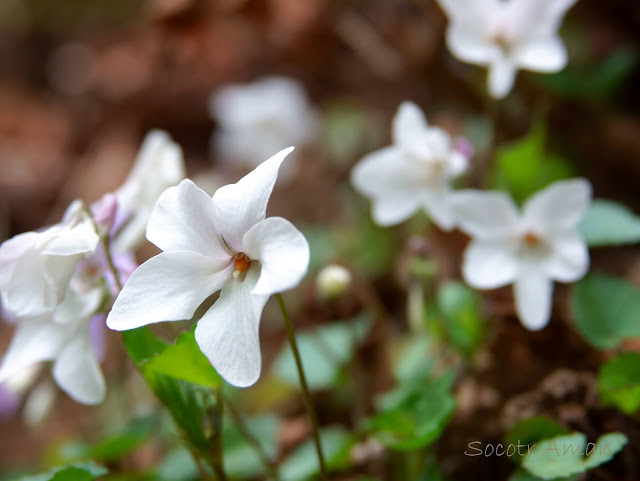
[(217, 461), (204, 475), (104, 240), (251, 439), (303, 383)]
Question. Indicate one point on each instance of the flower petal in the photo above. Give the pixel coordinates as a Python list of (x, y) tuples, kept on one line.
[(78, 306), (283, 253), (77, 372), (468, 45), (488, 265), (388, 177), (485, 215), (168, 287), (29, 293), (183, 219), (228, 332), (543, 55), (438, 207), (569, 260), (241, 205), (409, 127), (34, 341), (533, 292), (559, 206), (502, 76), (10, 252), (81, 239)]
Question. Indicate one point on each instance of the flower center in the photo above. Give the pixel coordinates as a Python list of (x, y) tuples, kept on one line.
[(241, 263), (531, 240)]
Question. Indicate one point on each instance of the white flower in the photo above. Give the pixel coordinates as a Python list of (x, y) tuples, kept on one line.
[(413, 173), (273, 112), (506, 35), (216, 243), (62, 337), (159, 165), (530, 250), (36, 267)]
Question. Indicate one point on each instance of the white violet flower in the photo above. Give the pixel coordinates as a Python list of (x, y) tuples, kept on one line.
[(216, 243), (273, 112), (414, 173), (506, 35), (63, 337), (159, 165), (530, 250), (36, 267)]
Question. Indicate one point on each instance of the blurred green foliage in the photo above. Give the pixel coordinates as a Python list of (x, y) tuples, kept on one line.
[(619, 382)]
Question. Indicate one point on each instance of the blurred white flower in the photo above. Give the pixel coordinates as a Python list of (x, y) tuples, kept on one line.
[(63, 337), (216, 243), (414, 173), (261, 118), (529, 250), (36, 267), (332, 281), (159, 165), (507, 35)]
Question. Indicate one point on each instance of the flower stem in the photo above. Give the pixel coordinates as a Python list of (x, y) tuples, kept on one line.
[(303, 383), (251, 439), (106, 245), (204, 475), (217, 459)]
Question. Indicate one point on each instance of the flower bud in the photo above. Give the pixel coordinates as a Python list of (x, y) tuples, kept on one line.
[(104, 213), (332, 281)]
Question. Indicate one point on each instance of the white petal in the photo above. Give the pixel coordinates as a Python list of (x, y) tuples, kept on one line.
[(77, 372), (33, 341), (409, 127), (559, 206), (228, 332), (10, 252), (78, 305), (283, 253), (29, 292), (58, 271), (485, 215), (456, 164), (533, 292), (488, 265), (502, 76), (241, 205), (438, 207), (81, 239), (468, 45), (183, 219), (569, 260), (389, 178), (544, 55), (168, 287)]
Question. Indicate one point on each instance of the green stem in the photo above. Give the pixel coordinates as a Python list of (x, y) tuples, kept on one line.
[(104, 240), (244, 430), (204, 475), (217, 462), (303, 383)]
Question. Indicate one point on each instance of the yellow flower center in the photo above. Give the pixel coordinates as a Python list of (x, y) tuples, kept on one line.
[(241, 263)]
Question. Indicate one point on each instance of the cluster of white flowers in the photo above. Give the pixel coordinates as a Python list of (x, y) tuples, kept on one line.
[(51, 281), (529, 251)]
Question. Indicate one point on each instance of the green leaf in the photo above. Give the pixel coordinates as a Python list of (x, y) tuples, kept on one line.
[(302, 463), (606, 310), (324, 353), (523, 167), (184, 360), (529, 431), (240, 457), (619, 382), (522, 474), (565, 455), (414, 414), (460, 308), (557, 457), (87, 471), (605, 449), (177, 465), (608, 223), (188, 403), (115, 447)]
